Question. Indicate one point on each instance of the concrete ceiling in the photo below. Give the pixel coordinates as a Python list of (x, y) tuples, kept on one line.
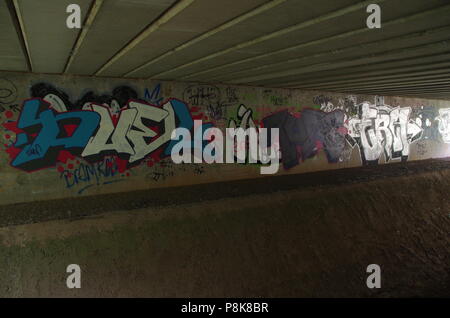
[(320, 44)]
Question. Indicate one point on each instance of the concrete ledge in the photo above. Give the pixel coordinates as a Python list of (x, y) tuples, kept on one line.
[(311, 241), (73, 208)]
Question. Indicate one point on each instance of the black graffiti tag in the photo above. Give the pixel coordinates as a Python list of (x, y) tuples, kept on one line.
[(8, 93)]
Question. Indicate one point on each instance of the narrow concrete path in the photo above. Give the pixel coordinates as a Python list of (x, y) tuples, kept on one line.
[(308, 240)]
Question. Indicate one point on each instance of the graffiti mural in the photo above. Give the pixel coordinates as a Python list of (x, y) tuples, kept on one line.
[(93, 137), (434, 122), (244, 120), (444, 124), (347, 104), (154, 96), (50, 127), (63, 136), (381, 130), (87, 175), (212, 99), (303, 134), (207, 96), (325, 103), (8, 95), (426, 118), (275, 98)]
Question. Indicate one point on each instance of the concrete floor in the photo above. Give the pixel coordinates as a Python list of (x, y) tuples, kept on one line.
[(304, 240)]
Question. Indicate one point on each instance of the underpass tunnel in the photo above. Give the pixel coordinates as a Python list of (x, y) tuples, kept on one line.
[(198, 148)]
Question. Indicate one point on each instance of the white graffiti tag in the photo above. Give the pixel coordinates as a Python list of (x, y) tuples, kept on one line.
[(130, 127), (379, 129), (244, 114), (444, 124)]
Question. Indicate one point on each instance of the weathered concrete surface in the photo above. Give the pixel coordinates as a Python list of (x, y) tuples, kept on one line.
[(76, 208), (301, 241), (275, 43), (318, 131)]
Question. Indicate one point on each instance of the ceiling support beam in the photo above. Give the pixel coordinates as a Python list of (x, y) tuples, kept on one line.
[(398, 92), (94, 9), (265, 7), (357, 77), (433, 83), (361, 48), (152, 27), (418, 87), (442, 46), (317, 42), (402, 78), (416, 63), (16, 16), (266, 37), (428, 96)]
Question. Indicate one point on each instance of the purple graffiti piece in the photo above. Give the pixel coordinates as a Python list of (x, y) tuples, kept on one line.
[(301, 137)]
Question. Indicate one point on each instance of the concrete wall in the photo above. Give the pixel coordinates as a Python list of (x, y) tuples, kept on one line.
[(92, 141), (302, 242)]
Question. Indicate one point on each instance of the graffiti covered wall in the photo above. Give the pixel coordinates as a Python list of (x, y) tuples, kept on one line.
[(70, 136)]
